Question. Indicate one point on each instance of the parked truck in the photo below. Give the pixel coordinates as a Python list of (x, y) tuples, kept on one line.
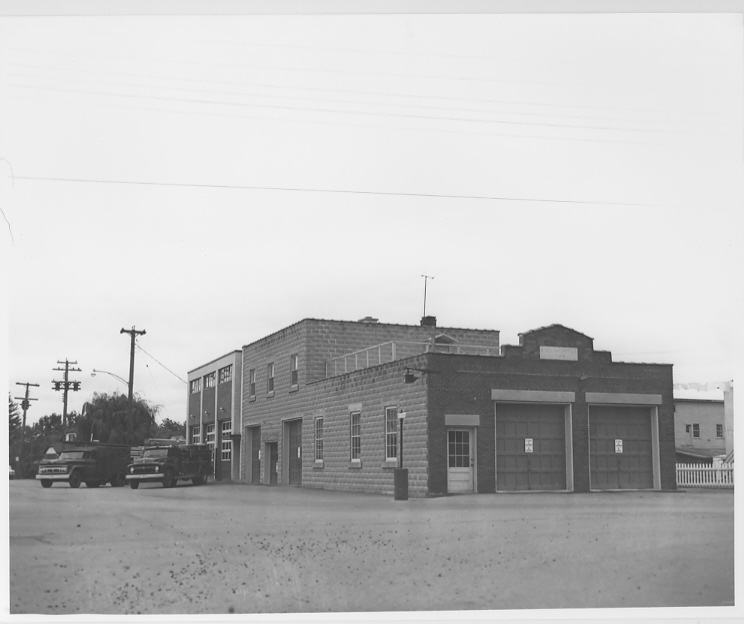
[(170, 461), (95, 464)]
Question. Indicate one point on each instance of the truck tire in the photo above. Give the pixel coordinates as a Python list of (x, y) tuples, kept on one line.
[(169, 481), (119, 480), (46, 483), (134, 484), (196, 480), (75, 479)]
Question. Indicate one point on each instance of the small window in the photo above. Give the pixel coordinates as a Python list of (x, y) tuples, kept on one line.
[(319, 439), (356, 436), (293, 370), (226, 444), (270, 378), (209, 380), (196, 435), (688, 428), (225, 374), (195, 386), (210, 436), (695, 430), (719, 431), (252, 383), (391, 433)]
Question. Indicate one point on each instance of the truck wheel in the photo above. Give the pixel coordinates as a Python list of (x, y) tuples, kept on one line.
[(168, 480), (92, 484), (134, 484), (196, 480), (119, 480), (46, 483), (75, 479)]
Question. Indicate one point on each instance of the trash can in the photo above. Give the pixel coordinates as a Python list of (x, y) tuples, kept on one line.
[(400, 479)]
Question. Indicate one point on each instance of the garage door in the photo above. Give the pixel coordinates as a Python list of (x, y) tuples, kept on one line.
[(530, 447), (620, 455)]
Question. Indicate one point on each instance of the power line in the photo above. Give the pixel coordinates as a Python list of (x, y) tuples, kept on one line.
[(161, 364), (343, 191), (337, 111)]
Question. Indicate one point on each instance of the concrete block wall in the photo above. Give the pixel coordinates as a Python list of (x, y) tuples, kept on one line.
[(465, 384)]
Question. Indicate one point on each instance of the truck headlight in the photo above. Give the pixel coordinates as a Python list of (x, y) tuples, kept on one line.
[(157, 468), (131, 469)]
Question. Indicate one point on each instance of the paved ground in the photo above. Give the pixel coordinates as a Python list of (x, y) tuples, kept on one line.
[(253, 549)]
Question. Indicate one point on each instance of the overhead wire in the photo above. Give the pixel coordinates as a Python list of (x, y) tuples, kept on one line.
[(159, 362)]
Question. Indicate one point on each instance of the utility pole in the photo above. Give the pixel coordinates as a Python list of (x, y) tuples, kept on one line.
[(66, 385), (25, 405), (426, 279), (133, 333)]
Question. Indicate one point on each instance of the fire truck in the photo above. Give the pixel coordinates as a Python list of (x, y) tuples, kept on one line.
[(93, 463), (170, 461)]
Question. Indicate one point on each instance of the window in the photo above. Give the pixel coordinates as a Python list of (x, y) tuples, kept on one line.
[(210, 436), (195, 386), (695, 430), (225, 374), (688, 428), (293, 372), (196, 435), (226, 431), (270, 378), (252, 383), (356, 436), (719, 431), (209, 380), (318, 439), (391, 433)]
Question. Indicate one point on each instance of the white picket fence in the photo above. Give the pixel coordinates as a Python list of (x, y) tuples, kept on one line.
[(701, 475)]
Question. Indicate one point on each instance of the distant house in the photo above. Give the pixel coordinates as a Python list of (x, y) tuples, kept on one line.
[(699, 428)]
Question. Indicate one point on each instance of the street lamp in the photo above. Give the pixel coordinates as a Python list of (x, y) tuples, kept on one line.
[(121, 379)]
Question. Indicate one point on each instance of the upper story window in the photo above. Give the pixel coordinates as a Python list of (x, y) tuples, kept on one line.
[(695, 430), (294, 361), (719, 431), (391, 433), (195, 386), (252, 383), (209, 380), (270, 378), (225, 374)]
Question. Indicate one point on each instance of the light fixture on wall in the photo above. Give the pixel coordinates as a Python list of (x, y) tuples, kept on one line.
[(410, 378)]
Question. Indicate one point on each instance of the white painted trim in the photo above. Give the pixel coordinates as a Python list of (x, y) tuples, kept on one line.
[(461, 420), (622, 398), (532, 396)]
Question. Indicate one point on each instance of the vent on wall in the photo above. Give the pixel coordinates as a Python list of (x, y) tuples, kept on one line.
[(428, 321)]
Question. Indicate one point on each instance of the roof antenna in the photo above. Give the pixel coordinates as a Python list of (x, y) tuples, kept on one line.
[(426, 279)]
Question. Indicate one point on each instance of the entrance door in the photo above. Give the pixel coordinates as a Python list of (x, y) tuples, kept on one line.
[(620, 454), (272, 453), (530, 447), (256, 455), (459, 461), (295, 453)]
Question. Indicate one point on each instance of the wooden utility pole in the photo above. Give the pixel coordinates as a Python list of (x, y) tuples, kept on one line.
[(66, 385), (133, 333), (25, 405)]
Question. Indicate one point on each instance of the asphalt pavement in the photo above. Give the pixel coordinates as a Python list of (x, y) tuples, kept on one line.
[(232, 548)]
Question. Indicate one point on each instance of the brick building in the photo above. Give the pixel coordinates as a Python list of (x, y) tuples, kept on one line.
[(214, 412), (320, 405)]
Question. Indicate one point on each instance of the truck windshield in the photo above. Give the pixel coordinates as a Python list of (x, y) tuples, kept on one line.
[(71, 455), (155, 452)]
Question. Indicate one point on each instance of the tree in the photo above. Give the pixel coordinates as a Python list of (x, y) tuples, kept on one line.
[(114, 419), (169, 428), (14, 421)]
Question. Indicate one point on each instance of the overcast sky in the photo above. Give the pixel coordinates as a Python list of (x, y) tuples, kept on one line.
[(214, 179)]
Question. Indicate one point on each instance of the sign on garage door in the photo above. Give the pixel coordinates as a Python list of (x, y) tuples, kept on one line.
[(620, 454), (530, 447)]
